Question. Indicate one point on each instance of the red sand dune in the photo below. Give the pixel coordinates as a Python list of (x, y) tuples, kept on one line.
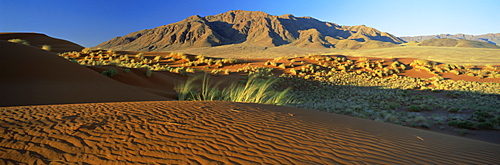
[(31, 76)]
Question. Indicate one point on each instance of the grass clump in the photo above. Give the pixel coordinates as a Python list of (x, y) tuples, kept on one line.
[(254, 90), (19, 41), (47, 47)]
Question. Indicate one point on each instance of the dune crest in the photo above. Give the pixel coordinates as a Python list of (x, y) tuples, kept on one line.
[(37, 40)]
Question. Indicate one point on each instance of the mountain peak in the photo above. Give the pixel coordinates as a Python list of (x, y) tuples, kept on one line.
[(287, 16), (194, 17)]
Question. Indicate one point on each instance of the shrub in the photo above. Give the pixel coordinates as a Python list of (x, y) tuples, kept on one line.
[(462, 132), (414, 108), (467, 124), (391, 105), (19, 41), (453, 110), (421, 63), (485, 125), (149, 73), (425, 107), (110, 72)]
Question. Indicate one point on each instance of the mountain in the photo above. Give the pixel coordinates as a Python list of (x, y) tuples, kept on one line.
[(251, 28), (493, 38), (448, 42), (37, 40)]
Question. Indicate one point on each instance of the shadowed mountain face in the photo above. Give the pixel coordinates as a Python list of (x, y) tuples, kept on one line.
[(493, 38), (250, 28)]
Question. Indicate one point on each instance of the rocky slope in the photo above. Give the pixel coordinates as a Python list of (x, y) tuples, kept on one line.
[(251, 28), (493, 38)]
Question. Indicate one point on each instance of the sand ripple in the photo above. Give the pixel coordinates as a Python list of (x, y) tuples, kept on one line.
[(175, 132)]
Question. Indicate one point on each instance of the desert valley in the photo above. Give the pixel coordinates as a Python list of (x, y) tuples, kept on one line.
[(246, 87)]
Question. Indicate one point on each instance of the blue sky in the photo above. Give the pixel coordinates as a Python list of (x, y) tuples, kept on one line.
[(91, 22)]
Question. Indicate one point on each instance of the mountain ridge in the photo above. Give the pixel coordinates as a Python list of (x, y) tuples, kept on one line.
[(251, 28), (492, 38)]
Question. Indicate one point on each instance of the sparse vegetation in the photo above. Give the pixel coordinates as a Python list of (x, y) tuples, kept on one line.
[(371, 89), (19, 41)]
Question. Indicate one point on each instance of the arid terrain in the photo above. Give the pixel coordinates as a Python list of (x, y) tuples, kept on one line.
[(241, 103)]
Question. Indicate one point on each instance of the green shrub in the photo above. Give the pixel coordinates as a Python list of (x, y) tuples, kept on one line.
[(110, 72), (486, 125), (453, 110), (481, 116), (467, 124), (462, 132), (414, 108), (425, 107), (391, 105)]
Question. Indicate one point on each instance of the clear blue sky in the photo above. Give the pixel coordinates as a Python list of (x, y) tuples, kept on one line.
[(90, 22)]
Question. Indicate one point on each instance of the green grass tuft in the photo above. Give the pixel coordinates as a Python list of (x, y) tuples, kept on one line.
[(255, 90)]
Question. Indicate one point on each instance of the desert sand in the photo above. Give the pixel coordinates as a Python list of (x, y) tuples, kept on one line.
[(53, 111), (175, 132)]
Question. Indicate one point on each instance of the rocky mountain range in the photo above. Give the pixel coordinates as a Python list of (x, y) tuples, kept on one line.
[(492, 38), (252, 28)]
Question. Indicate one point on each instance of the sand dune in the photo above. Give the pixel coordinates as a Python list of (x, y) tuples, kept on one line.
[(37, 40), (31, 76), (175, 132)]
